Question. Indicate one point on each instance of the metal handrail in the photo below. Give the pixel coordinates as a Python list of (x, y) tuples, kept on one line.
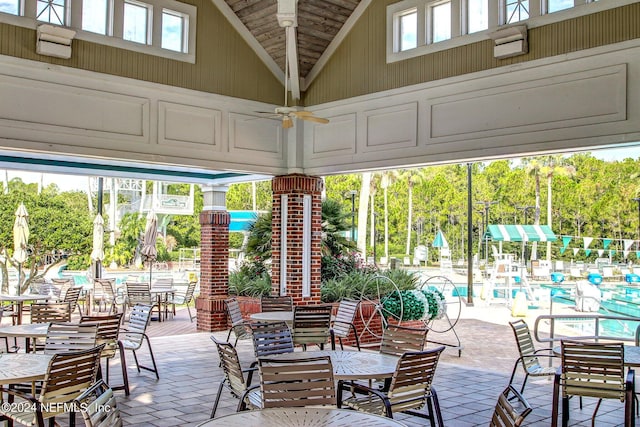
[(552, 319)]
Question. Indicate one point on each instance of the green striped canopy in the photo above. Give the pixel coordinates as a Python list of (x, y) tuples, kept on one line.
[(519, 233)]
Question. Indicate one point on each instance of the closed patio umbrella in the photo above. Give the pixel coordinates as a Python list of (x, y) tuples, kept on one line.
[(20, 240), (440, 241), (149, 251), (97, 253)]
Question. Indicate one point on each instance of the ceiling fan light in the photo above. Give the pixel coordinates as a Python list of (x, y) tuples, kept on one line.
[(287, 123)]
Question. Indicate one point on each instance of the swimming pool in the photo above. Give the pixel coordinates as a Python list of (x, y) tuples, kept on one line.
[(616, 299)]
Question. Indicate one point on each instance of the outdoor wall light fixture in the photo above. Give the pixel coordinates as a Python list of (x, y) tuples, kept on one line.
[(510, 41), (54, 41)]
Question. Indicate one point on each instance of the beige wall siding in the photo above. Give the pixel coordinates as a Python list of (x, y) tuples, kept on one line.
[(225, 64), (359, 66)]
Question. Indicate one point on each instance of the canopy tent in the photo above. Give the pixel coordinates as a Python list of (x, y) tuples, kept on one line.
[(520, 233)]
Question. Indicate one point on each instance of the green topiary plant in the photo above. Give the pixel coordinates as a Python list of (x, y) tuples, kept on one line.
[(413, 305), (426, 304), (435, 303)]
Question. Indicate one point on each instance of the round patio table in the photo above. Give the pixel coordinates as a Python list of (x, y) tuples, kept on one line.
[(273, 316), (350, 365), (27, 331), (23, 367), (285, 417)]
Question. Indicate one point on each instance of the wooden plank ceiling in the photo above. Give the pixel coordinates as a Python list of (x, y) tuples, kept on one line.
[(318, 23)]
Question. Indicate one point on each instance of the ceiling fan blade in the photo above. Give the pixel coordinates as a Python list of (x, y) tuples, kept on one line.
[(302, 113), (315, 119), (287, 122)]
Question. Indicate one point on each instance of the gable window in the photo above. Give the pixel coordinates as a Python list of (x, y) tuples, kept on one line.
[(477, 15), (516, 10), (409, 29), (136, 22), (95, 16), (556, 5), (51, 11), (10, 6), (175, 27), (440, 22)]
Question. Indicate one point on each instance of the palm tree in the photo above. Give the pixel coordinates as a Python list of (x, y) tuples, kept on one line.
[(413, 177), (373, 187), (335, 224), (387, 180), (363, 204), (554, 165), (533, 166)]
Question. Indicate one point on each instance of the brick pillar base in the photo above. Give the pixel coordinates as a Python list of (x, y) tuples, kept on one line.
[(214, 270)]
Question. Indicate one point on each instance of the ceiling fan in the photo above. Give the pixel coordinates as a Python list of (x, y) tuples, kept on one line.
[(285, 112)]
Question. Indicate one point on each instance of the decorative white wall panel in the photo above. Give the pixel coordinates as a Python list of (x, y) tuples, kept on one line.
[(255, 136), (336, 138), (554, 102), (38, 105), (66, 111), (391, 128), (185, 124)]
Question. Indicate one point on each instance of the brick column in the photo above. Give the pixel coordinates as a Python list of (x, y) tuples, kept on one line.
[(297, 237), (214, 261)]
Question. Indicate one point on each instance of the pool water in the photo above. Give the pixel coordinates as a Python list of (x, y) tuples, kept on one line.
[(622, 300)]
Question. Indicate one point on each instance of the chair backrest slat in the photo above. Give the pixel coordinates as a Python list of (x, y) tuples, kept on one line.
[(297, 382), (71, 296), (526, 347), (411, 382), (276, 303), (50, 312), (231, 367), (63, 284), (66, 337), (397, 340), (104, 288), (69, 375), (99, 407), (137, 325), (233, 310), (271, 338), (107, 333), (508, 414), (344, 317), (138, 293), (593, 369), (311, 324)]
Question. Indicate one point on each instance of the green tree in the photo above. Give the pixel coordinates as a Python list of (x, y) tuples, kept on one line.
[(129, 242), (59, 224)]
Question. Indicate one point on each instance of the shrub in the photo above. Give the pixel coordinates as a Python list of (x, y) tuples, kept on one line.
[(403, 279), (251, 279), (350, 285)]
